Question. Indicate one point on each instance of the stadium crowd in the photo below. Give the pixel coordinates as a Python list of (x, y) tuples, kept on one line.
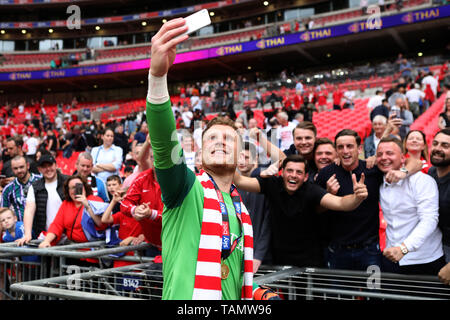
[(296, 186)]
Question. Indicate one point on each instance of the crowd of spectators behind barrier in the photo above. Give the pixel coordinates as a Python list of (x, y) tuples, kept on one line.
[(114, 151)]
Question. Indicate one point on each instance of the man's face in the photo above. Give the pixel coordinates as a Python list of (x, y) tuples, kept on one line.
[(12, 149), (220, 145), (144, 127), (293, 176), (304, 140), (112, 186), (84, 167), (48, 170), (389, 157), (440, 150), (188, 144), (325, 154), (246, 162), (252, 123), (347, 151), (20, 168), (378, 127), (7, 219)]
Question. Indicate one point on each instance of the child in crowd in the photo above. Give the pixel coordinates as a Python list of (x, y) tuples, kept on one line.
[(113, 184), (130, 231), (12, 229)]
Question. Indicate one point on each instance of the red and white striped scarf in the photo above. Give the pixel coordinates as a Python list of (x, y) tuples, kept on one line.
[(208, 284)]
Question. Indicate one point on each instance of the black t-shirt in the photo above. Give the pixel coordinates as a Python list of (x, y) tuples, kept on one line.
[(295, 236), (363, 223), (258, 208), (444, 204)]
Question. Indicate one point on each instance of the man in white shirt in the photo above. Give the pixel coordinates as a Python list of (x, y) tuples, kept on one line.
[(284, 132), (429, 79), (411, 210), (376, 100), (44, 198), (187, 116), (414, 96)]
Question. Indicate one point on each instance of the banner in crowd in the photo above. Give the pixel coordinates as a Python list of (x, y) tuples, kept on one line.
[(366, 25)]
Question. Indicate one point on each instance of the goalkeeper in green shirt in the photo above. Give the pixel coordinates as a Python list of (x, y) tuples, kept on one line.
[(207, 237)]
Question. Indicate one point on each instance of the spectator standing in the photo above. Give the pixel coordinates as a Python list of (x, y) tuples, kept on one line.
[(440, 171), (353, 236), (431, 80), (143, 203), (415, 146), (107, 157), (121, 140), (140, 136), (130, 231), (401, 111), (15, 193), (44, 198), (68, 218), (293, 200), (337, 97), (415, 98), (304, 135), (84, 166), (376, 100), (14, 147), (444, 117), (379, 124), (284, 131), (411, 210), (257, 206)]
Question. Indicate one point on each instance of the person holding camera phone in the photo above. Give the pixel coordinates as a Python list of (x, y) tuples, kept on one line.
[(77, 192)]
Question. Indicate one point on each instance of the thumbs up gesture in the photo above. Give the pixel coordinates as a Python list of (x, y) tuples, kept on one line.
[(359, 188)]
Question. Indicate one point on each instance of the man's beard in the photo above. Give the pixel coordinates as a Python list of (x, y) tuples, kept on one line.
[(439, 163)]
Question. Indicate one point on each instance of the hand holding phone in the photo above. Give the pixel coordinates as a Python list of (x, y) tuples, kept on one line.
[(197, 21), (78, 189)]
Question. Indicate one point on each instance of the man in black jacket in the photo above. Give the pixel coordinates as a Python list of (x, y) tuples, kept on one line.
[(43, 200)]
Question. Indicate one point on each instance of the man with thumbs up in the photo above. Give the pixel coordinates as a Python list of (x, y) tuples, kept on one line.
[(411, 209), (352, 236), (294, 203)]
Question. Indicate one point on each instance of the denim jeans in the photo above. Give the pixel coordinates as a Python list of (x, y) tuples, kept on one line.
[(353, 259)]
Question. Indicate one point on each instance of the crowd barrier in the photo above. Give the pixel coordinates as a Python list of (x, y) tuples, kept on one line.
[(31, 273), (28, 263), (327, 284), (145, 280)]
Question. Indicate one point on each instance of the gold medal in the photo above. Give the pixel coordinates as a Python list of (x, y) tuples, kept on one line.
[(224, 270)]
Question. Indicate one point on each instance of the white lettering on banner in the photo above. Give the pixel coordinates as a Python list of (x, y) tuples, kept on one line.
[(73, 21)]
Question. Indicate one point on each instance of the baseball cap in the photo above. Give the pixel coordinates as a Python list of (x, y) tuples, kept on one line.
[(46, 158)]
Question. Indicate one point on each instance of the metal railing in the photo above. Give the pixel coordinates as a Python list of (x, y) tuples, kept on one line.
[(28, 263), (326, 284)]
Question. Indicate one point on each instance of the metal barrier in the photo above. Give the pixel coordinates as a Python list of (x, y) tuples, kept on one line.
[(16, 265), (140, 281), (145, 281), (325, 284)]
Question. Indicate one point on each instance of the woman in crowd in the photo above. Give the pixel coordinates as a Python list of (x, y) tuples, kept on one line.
[(415, 146), (444, 117), (107, 157), (68, 218)]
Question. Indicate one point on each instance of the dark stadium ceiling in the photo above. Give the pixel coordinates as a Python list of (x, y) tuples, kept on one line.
[(320, 55), (104, 8)]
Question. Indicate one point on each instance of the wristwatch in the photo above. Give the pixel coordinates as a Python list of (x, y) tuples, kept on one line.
[(404, 249), (403, 169)]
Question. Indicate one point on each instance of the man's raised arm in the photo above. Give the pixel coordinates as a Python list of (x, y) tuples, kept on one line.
[(167, 152)]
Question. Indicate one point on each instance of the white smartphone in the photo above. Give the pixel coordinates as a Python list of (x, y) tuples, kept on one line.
[(197, 21)]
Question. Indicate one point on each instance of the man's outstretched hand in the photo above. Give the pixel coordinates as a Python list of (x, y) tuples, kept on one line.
[(164, 44)]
